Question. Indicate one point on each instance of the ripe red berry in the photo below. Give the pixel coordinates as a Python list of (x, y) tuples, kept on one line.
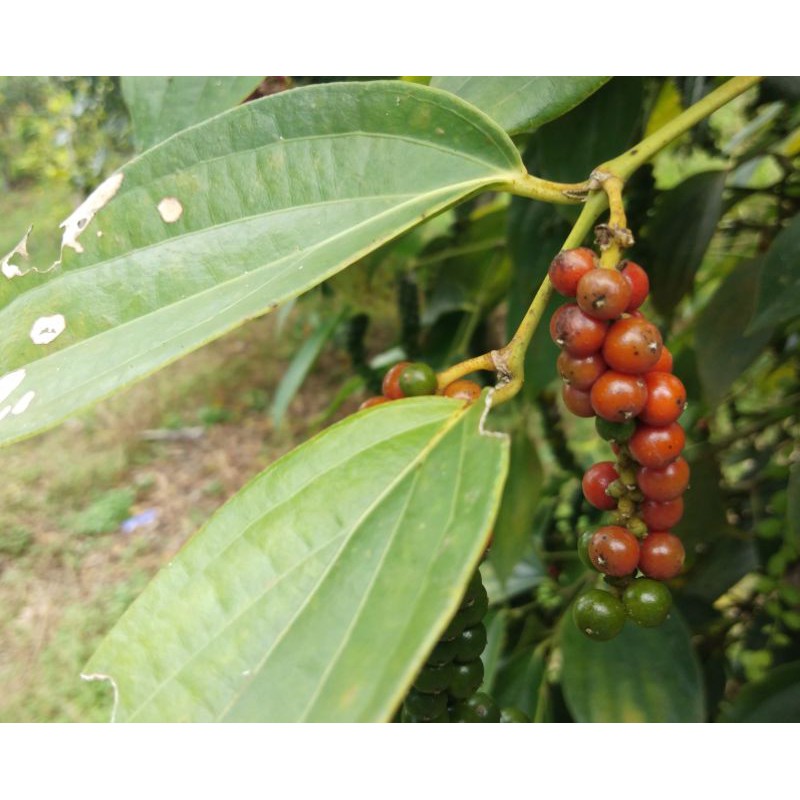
[(639, 283), (664, 363), (567, 268), (662, 516), (664, 484), (595, 482), (618, 397), (463, 390), (666, 398), (577, 333), (614, 550), (577, 401), (373, 401), (661, 556), (391, 381), (603, 293), (632, 345), (657, 447), (580, 373)]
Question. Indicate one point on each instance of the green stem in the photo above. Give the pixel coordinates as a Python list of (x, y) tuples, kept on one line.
[(625, 165), (509, 360)]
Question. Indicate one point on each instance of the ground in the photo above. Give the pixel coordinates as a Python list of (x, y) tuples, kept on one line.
[(173, 448)]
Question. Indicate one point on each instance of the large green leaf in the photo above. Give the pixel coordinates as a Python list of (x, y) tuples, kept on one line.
[(318, 590), (522, 103), (643, 675), (779, 287), (724, 350), (776, 698), (276, 196), (684, 220), (161, 106)]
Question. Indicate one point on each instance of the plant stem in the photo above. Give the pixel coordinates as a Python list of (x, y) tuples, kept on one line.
[(623, 166), (509, 360)]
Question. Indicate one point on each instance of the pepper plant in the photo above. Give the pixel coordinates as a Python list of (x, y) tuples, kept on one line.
[(319, 590)]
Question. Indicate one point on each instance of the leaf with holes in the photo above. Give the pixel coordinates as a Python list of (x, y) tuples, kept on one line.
[(318, 590), (223, 222), (522, 103)]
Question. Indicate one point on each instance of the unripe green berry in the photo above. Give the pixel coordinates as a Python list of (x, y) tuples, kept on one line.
[(599, 615), (478, 708), (468, 677), (647, 602), (417, 379), (513, 715)]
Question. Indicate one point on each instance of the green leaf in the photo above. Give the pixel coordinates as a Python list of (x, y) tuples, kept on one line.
[(643, 675), (597, 130), (301, 365), (522, 103), (276, 196), (318, 590), (793, 509), (779, 289), (704, 512), (161, 106), (520, 681), (724, 349), (776, 698), (513, 528), (678, 235)]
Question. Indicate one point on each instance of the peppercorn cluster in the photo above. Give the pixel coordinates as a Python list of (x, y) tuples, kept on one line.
[(417, 379), (446, 688), (616, 368)]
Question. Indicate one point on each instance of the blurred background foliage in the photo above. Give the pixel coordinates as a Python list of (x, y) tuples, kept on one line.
[(716, 222)]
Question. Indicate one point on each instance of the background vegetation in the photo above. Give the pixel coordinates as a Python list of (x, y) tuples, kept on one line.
[(92, 509)]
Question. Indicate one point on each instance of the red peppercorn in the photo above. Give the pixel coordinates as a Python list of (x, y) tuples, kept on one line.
[(664, 363), (463, 390), (639, 283), (657, 447), (662, 516), (595, 482), (664, 484), (577, 401), (577, 333), (373, 401), (614, 550), (632, 345), (661, 555), (567, 268), (618, 397), (603, 293), (391, 381), (580, 373), (666, 398)]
